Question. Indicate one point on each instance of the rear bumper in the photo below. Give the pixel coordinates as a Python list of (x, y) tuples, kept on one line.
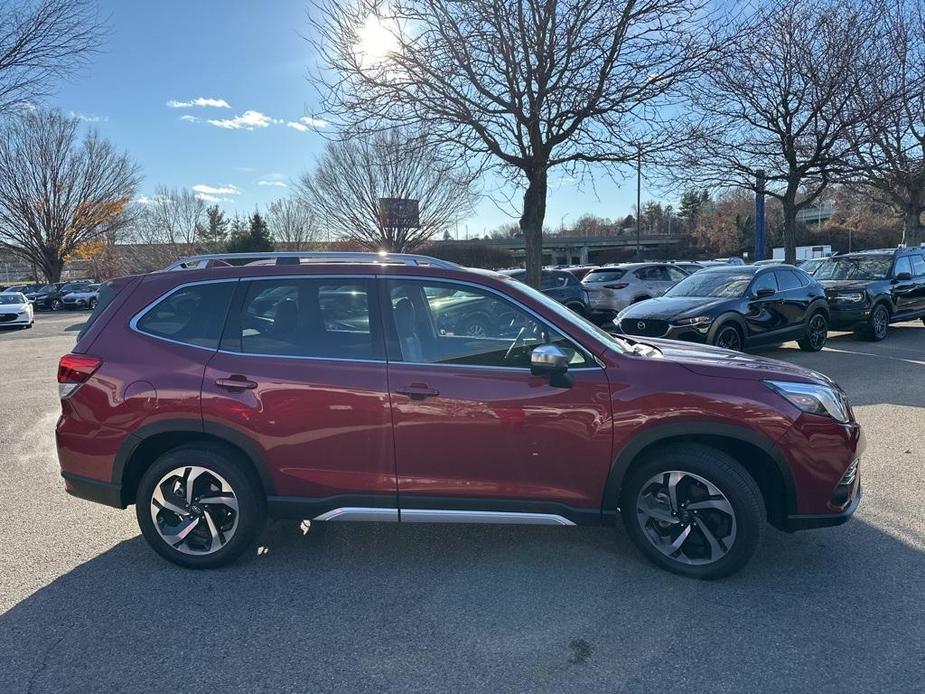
[(823, 520), (105, 493)]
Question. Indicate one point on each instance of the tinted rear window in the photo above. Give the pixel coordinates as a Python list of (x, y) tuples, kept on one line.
[(603, 276), (194, 314)]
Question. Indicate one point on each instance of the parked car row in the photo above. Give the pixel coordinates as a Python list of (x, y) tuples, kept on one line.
[(74, 294)]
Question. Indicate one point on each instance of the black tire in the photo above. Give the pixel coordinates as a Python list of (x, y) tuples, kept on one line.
[(91, 304), (877, 324), (577, 308), (817, 330), (728, 336), (742, 496), (56, 304), (251, 504)]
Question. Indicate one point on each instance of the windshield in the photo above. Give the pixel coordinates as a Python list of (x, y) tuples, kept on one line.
[(12, 298), (603, 276), (875, 267), (573, 318), (712, 284), (812, 265)]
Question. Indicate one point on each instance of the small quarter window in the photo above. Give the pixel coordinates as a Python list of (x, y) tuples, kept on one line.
[(194, 314)]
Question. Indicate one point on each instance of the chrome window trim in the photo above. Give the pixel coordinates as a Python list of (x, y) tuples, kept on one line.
[(506, 297), (297, 356), (133, 324)]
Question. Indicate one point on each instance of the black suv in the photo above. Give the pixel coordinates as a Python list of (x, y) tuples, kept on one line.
[(736, 307), (560, 285), (871, 289)]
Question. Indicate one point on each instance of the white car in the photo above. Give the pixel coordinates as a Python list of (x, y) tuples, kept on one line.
[(614, 287), (15, 310)]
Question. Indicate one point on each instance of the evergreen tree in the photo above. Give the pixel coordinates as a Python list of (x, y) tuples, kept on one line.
[(254, 238), (216, 229)]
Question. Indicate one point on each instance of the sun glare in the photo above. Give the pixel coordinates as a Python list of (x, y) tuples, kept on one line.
[(375, 43)]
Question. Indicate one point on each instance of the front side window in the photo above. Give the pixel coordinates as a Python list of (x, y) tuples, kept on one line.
[(437, 323), (193, 314), (301, 317), (902, 265), (764, 281)]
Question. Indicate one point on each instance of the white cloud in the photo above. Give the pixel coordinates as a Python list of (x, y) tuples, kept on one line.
[(246, 121), (227, 189), (208, 198), (307, 122), (199, 101), (148, 200), (189, 119), (275, 184), (88, 117)]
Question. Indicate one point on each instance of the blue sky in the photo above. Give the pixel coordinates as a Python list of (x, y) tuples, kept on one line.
[(250, 56)]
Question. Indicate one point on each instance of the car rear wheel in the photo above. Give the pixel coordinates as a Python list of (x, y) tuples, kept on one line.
[(577, 308), (817, 330), (91, 304), (694, 511), (198, 507), (56, 304), (728, 337), (877, 324)]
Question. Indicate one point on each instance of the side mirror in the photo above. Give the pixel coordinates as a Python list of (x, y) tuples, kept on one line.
[(765, 292), (903, 277), (548, 360)]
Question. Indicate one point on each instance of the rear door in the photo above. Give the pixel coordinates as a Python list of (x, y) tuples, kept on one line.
[(918, 275), (301, 373), (905, 296)]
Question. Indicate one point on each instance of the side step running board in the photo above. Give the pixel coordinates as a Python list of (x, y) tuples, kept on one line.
[(417, 515)]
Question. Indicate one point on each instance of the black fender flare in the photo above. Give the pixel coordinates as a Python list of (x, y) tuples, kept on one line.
[(724, 319), (193, 426), (663, 432)]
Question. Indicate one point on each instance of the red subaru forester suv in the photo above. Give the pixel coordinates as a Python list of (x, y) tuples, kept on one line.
[(365, 387)]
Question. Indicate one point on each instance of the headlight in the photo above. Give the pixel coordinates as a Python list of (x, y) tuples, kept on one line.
[(813, 398), (699, 320), (849, 297)]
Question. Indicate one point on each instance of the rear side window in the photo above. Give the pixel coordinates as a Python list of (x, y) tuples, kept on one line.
[(320, 318), (193, 315), (787, 280)]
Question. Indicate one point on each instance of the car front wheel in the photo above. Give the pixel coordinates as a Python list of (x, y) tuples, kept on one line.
[(198, 507), (694, 511), (728, 337), (877, 324)]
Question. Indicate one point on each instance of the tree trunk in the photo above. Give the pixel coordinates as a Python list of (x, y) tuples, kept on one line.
[(531, 224), (790, 226), (912, 225), (52, 265)]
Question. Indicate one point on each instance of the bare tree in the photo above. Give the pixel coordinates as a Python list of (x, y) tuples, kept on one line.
[(58, 191), (292, 223), (889, 144), (41, 41), (523, 86), (351, 177), (781, 101), (166, 226)]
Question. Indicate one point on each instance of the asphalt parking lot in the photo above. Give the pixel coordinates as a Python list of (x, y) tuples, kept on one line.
[(86, 606)]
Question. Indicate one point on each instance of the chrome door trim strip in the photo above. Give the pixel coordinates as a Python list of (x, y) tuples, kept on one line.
[(360, 513), (417, 515)]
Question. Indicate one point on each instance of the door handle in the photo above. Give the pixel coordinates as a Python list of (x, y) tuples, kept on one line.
[(236, 382), (418, 391)]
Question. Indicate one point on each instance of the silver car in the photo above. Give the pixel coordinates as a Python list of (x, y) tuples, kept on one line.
[(614, 287), (85, 297)]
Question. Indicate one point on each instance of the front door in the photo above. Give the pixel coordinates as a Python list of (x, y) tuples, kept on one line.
[(301, 372), (474, 429), (764, 315)]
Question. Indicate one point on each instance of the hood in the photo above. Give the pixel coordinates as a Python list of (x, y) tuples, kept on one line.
[(846, 285), (670, 307), (711, 361)]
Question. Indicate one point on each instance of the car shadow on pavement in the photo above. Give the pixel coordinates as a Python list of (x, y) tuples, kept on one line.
[(361, 607)]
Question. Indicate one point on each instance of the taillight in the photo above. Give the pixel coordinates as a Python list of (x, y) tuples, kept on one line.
[(622, 285), (74, 369)]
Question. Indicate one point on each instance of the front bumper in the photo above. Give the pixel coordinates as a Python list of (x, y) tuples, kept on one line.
[(18, 320), (809, 521), (847, 317), (662, 329)]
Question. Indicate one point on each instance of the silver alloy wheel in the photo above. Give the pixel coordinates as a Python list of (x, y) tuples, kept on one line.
[(686, 517), (194, 510), (880, 321)]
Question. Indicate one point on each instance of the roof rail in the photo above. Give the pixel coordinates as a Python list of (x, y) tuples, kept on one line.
[(195, 262)]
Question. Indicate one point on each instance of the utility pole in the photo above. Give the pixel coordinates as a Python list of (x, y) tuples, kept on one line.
[(759, 215), (638, 201)]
